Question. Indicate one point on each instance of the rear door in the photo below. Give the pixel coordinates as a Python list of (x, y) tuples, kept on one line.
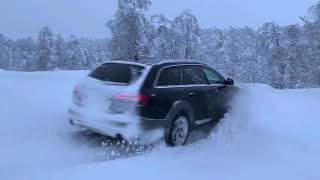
[(167, 90), (195, 83)]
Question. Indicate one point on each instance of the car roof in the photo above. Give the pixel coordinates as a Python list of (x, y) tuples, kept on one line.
[(153, 61)]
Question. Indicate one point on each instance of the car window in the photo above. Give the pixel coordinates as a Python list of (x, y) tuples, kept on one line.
[(213, 76), (193, 75), (117, 73), (171, 76)]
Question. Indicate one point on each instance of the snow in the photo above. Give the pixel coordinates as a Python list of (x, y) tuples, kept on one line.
[(269, 134)]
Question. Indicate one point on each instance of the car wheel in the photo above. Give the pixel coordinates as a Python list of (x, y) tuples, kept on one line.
[(179, 131)]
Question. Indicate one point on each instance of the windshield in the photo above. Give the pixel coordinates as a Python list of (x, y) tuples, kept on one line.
[(115, 73)]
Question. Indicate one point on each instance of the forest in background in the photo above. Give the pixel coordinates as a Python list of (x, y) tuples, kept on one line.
[(283, 56)]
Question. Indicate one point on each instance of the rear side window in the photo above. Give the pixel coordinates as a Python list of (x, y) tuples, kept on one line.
[(171, 76), (117, 73), (193, 75)]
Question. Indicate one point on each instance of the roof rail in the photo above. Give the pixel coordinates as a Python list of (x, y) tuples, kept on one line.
[(136, 58), (180, 60), (122, 58)]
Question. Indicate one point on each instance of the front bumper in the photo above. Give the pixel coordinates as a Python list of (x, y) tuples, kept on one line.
[(127, 126)]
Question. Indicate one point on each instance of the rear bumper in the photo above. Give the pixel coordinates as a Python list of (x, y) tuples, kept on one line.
[(129, 127)]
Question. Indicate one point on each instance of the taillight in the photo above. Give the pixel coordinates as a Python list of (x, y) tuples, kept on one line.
[(141, 99), (77, 97), (76, 89)]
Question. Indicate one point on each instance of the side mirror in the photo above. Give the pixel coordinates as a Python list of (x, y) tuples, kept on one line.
[(229, 82)]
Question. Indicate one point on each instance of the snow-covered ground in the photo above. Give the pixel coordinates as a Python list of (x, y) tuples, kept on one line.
[(270, 134)]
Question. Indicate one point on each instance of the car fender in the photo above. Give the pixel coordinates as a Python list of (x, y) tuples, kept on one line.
[(181, 107)]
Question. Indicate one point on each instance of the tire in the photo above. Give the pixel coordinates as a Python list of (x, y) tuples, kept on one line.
[(178, 132)]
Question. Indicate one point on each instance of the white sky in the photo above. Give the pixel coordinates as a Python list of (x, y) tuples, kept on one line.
[(87, 18)]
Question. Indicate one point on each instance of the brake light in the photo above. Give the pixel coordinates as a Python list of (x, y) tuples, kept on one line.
[(77, 97), (140, 98), (76, 89)]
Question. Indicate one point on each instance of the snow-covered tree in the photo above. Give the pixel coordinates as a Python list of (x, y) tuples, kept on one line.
[(60, 46), (187, 30), (131, 30), (271, 50), (164, 38), (4, 53), (315, 12), (294, 62), (76, 57), (27, 54), (47, 59)]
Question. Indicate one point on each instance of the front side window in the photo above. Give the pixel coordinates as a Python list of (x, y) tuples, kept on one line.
[(213, 76), (170, 76), (193, 75)]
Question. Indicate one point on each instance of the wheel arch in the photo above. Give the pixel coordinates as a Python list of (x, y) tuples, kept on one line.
[(181, 107)]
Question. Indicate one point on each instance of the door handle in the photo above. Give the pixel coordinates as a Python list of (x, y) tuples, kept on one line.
[(191, 94)]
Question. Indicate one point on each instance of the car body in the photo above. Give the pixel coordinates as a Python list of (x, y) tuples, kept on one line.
[(141, 101)]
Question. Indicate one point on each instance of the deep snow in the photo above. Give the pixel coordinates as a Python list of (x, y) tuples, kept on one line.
[(270, 134)]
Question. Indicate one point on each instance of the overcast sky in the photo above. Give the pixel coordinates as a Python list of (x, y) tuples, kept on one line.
[(87, 18)]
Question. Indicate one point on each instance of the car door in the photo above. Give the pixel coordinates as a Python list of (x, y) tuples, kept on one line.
[(215, 93), (167, 90), (195, 82)]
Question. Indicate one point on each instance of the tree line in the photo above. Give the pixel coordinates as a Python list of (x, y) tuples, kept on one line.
[(51, 52), (283, 56)]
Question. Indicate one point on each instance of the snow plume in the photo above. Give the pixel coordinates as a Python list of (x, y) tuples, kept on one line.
[(263, 117), (242, 113)]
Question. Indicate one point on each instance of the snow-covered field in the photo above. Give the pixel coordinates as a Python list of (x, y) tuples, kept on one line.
[(270, 134)]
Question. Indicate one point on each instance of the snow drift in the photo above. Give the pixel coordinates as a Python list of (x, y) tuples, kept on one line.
[(269, 134)]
